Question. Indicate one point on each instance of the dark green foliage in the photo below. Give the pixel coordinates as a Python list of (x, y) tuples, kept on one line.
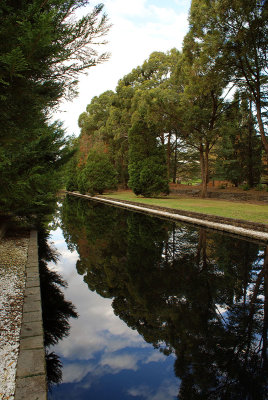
[(98, 174), (108, 117), (30, 173), (147, 164), (236, 34), (148, 177), (240, 151), (71, 174), (36, 39), (100, 124), (70, 170)]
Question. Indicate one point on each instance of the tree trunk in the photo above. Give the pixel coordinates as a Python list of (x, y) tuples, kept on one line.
[(250, 177), (168, 156), (261, 127), (175, 159), (204, 169), (201, 255)]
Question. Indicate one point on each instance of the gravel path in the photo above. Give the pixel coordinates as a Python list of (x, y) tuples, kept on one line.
[(13, 257)]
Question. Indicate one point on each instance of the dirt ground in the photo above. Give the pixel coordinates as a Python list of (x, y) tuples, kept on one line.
[(229, 193), (235, 193)]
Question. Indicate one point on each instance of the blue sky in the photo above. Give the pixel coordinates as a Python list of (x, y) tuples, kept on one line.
[(139, 28)]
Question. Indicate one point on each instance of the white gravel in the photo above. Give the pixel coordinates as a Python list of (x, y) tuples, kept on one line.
[(13, 257)]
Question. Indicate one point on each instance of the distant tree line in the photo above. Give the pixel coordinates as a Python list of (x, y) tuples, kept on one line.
[(200, 112), (43, 49)]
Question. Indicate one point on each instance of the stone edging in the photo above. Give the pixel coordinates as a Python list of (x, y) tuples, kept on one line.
[(31, 382), (197, 219), (255, 226)]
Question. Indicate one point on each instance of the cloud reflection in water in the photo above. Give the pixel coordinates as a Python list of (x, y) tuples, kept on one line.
[(101, 344)]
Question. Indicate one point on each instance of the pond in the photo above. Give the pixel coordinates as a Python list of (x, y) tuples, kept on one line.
[(153, 310)]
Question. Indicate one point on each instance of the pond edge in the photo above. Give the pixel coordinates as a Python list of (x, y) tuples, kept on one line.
[(230, 225), (31, 378)]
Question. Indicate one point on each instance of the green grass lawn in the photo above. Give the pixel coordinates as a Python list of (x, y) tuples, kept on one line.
[(238, 210)]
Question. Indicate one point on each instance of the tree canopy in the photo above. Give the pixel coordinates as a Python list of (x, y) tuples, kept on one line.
[(235, 34)]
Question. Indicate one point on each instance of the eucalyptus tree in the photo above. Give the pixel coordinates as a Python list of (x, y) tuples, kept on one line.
[(92, 123), (147, 88), (159, 106), (236, 33), (202, 101)]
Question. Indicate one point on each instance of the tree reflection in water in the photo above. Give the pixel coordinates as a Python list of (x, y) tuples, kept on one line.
[(192, 292), (56, 310)]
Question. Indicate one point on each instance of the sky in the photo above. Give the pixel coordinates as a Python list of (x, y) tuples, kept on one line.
[(138, 28)]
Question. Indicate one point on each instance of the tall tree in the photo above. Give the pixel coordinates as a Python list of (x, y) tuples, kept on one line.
[(239, 151), (93, 124), (236, 33), (147, 164), (43, 49), (201, 102), (147, 88), (159, 106)]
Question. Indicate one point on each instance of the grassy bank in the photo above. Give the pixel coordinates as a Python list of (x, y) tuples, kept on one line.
[(239, 210)]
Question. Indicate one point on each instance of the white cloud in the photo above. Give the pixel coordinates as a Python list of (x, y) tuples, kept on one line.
[(96, 326), (110, 363), (155, 357), (167, 390), (142, 390), (118, 362), (75, 372), (66, 261), (164, 15)]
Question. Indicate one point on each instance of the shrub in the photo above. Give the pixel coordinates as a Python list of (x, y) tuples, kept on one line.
[(148, 177), (259, 187), (245, 186), (98, 174)]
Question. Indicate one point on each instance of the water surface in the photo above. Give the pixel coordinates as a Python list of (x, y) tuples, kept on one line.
[(153, 309)]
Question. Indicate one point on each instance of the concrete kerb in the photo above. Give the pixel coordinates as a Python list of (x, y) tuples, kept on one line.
[(241, 231), (31, 380)]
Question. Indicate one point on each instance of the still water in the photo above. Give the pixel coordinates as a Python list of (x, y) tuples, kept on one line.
[(153, 310)]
